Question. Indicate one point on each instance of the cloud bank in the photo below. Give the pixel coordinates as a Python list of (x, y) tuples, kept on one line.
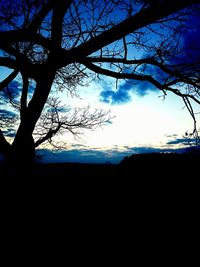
[(83, 154)]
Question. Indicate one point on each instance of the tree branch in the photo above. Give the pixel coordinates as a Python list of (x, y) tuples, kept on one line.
[(118, 75), (37, 20), (57, 24), (48, 136), (24, 95), (52, 123), (151, 61), (138, 77), (8, 79), (143, 18), (8, 62), (24, 35)]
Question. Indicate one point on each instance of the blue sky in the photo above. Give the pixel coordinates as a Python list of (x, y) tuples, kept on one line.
[(143, 121)]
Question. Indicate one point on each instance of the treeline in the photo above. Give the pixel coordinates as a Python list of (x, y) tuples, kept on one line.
[(193, 155)]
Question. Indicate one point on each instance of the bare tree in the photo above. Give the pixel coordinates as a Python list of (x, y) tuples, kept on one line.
[(63, 42)]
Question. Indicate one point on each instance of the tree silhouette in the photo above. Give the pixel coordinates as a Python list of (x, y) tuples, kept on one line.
[(62, 42)]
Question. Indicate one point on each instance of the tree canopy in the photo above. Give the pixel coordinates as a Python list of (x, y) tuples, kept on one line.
[(63, 42)]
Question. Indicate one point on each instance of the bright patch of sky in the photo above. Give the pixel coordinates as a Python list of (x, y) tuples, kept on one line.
[(141, 120), (142, 125)]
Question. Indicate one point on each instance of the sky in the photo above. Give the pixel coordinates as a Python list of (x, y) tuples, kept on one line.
[(141, 123), (142, 120)]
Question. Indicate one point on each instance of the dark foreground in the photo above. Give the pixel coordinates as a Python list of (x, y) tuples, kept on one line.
[(151, 181), (137, 197), (135, 166)]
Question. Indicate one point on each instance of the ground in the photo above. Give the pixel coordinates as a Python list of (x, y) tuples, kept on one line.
[(149, 165)]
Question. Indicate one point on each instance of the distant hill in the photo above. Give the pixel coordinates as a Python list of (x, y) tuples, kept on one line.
[(133, 166), (193, 154)]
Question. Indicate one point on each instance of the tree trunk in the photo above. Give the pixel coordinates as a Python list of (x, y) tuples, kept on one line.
[(23, 147), (4, 145)]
